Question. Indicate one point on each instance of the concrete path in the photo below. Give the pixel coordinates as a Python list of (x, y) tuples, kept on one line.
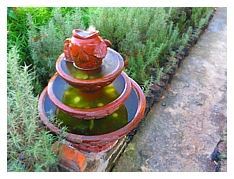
[(181, 136)]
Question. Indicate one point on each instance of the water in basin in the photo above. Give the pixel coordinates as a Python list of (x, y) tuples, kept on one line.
[(113, 122), (110, 123), (76, 98)]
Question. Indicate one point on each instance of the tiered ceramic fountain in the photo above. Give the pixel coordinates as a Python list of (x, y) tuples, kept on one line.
[(97, 102)]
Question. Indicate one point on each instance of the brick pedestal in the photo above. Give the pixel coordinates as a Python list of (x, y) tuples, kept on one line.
[(73, 160)]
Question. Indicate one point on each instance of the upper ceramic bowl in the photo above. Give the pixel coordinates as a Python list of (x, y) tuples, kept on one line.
[(91, 80)]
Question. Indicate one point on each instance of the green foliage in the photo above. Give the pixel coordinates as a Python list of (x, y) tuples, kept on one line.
[(102, 18), (159, 75), (147, 84), (39, 31), (17, 27), (84, 13), (172, 59), (11, 13), (167, 69), (28, 143), (151, 31), (198, 13), (137, 37), (46, 43), (136, 68), (222, 156), (185, 38)]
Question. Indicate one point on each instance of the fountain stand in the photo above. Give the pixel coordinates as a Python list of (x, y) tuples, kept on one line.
[(97, 102)]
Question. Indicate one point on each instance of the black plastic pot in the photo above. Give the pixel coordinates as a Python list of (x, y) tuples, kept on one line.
[(157, 91), (178, 60), (149, 102), (165, 78), (186, 50), (192, 40)]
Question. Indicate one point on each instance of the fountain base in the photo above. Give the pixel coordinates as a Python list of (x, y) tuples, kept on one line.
[(95, 149), (90, 162), (98, 107)]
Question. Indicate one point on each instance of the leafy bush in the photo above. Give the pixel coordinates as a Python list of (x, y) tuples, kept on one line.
[(144, 36), (17, 27), (199, 14), (46, 43), (28, 143)]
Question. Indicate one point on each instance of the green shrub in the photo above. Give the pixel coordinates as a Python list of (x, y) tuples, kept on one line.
[(198, 13), (27, 28), (153, 32), (148, 31), (28, 143), (46, 43), (17, 27), (138, 74)]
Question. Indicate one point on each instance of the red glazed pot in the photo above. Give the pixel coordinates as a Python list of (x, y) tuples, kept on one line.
[(112, 67), (86, 49), (57, 87), (135, 105)]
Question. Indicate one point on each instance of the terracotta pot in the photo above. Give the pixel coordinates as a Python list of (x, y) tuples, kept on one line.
[(135, 106), (112, 67), (57, 87), (86, 49)]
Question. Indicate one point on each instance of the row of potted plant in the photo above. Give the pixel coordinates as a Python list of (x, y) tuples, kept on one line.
[(168, 70)]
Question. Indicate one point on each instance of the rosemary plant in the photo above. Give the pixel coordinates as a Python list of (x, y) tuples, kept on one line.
[(152, 31), (46, 43), (147, 84), (28, 143), (159, 75)]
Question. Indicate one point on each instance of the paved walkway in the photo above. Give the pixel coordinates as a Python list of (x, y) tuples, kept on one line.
[(182, 135)]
